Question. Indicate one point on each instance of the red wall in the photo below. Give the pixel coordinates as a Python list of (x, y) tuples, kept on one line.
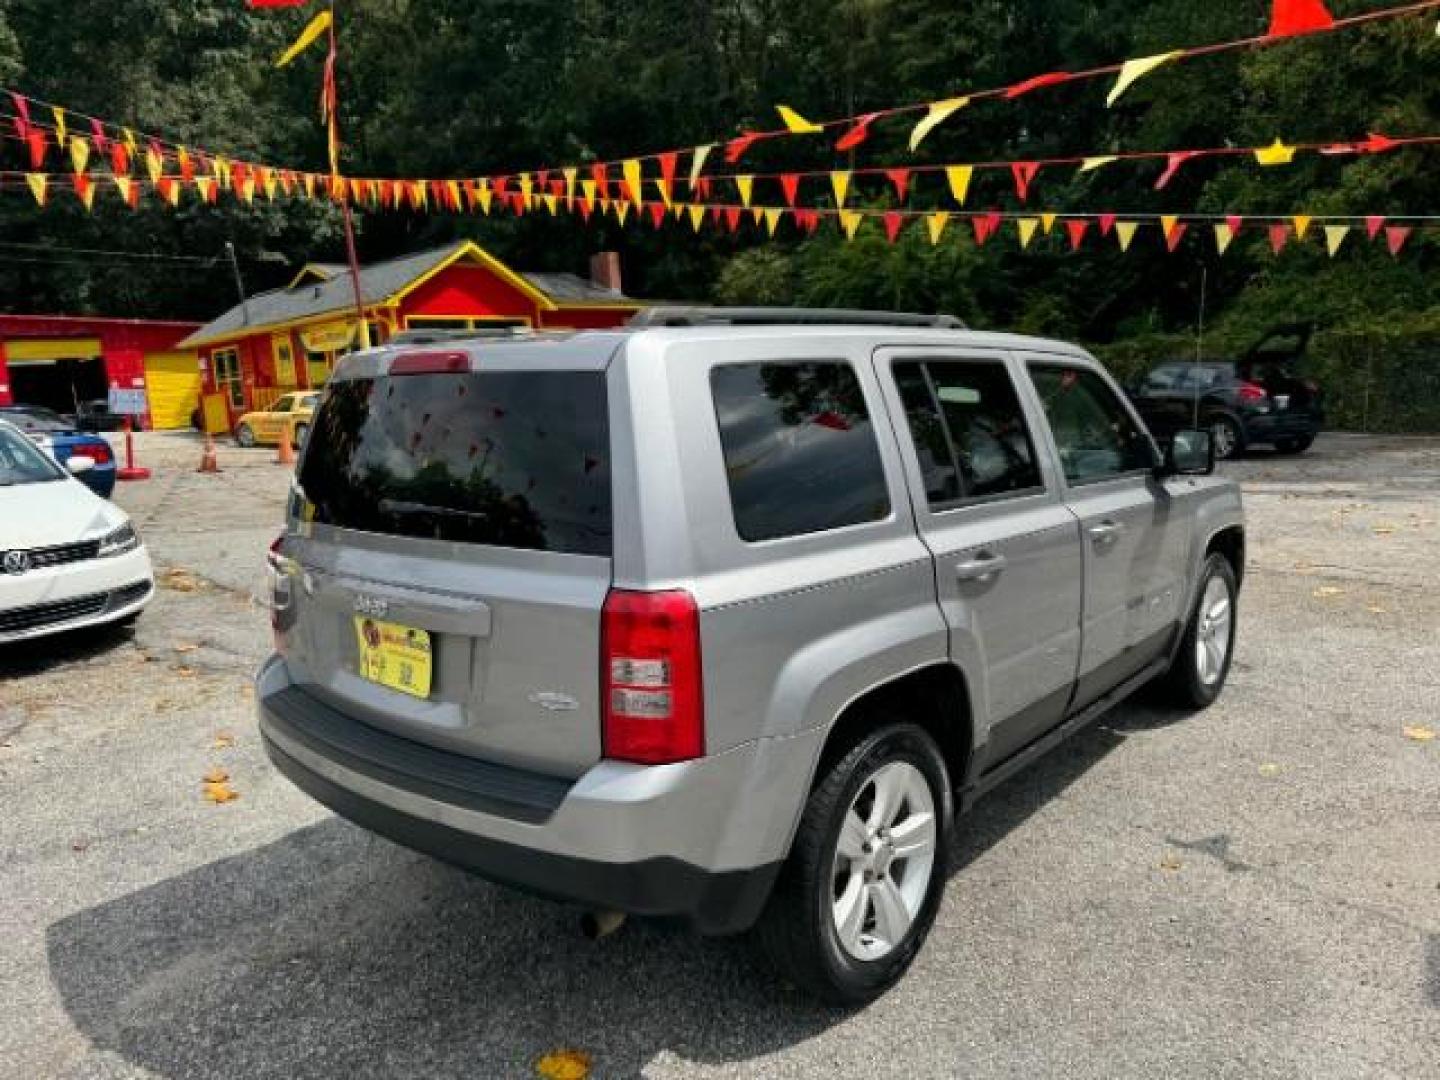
[(471, 291)]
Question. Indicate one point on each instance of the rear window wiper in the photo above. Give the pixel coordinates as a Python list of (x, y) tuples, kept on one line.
[(401, 508)]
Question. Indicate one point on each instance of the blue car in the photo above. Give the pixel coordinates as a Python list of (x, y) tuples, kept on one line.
[(62, 441)]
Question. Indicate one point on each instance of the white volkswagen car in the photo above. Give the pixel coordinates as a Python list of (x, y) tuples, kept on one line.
[(68, 558)]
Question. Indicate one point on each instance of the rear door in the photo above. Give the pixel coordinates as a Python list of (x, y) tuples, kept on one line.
[(1006, 549), (463, 511), (1133, 539)]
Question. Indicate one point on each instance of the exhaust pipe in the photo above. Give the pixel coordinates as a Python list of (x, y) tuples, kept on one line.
[(600, 924)]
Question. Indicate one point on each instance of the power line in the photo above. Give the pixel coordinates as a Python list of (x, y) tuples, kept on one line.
[(142, 255)]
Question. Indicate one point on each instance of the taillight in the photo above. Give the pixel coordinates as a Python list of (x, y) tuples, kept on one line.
[(99, 453), (1252, 392), (653, 702), (282, 611), (430, 363)]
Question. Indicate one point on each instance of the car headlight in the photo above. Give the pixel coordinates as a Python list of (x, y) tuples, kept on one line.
[(122, 540)]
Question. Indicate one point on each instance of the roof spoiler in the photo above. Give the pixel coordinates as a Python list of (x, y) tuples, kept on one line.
[(779, 316), (437, 337)]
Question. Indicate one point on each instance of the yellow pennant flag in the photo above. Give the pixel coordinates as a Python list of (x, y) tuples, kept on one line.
[(308, 37), (936, 223), (154, 165), (937, 113), (1124, 233), (1132, 70), (86, 191), (622, 210), (1047, 222), (757, 214), (485, 194), (697, 163), (79, 152), (38, 183), (552, 203), (1334, 237), (221, 167), (527, 190), (1277, 153), (122, 184), (131, 143), (795, 123), (678, 209), (172, 192), (959, 177), (1223, 236), (1302, 225), (1168, 223), (772, 220), (588, 189), (272, 182), (664, 190), (850, 222), (570, 175), (697, 217), (744, 185), (634, 179), (840, 183), (205, 185), (247, 188), (59, 114), (1027, 227), (1090, 164)]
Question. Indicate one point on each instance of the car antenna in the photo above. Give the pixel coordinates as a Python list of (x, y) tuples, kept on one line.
[(1199, 344)]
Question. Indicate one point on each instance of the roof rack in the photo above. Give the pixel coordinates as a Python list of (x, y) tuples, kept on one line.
[(435, 337), (779, 316)]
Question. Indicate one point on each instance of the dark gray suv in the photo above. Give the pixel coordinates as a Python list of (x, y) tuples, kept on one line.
[(727, 615)]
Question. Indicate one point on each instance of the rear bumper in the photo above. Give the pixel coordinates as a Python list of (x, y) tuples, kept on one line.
[(702, 840), (1267, 427)]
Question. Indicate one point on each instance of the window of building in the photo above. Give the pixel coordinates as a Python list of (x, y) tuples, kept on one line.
[(799, 446), (1094, 433), (226, 364), (969, 430), (460, 322)]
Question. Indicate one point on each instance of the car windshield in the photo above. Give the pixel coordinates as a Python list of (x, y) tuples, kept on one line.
[(35, 420), (21, 462)]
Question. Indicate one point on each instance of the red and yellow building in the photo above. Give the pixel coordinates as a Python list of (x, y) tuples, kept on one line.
[(291, 338)]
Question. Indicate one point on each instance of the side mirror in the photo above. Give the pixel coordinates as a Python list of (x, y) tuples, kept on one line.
[(1191, 453), (79, 464)]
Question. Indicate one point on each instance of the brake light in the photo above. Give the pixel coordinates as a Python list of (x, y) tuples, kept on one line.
[(1251, 392), (100, 453), (282, 614), (652, 701), (430, 363)]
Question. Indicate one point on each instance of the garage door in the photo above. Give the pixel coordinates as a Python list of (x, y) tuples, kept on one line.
[(173, 384)]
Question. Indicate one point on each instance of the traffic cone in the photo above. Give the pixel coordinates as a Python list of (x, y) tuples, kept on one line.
[(208, 460), (285, 455)]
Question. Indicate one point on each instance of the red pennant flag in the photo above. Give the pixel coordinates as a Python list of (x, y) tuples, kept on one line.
[(1077, 228), (717, 216), (668, 163), (97, 136), (1395, 237), (812, 221), (894, 222), (119, 159), (985, 226), (732, 218), (132, 196), (901, 179), (1107, 223), (557, 186), (1172, 166), (22, 115), (1291, 17), (657, 214), (1024, 174), (1174, 236), (1233, 222), (790, 185), (1372, 225), (857, 134), (599, 173), (1279, 236), (702, 187), (735, 148), (38, 143), (501, 183), (585, 210), (517, 204), (1049, 79), (82, 183)]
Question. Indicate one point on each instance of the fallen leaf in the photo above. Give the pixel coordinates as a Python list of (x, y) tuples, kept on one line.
[(564, 1065), (186, 647), (223, 739), (1419, 733), (179, 580), (1269, 768), (247, 691), (1383, 530), (185, 672), (1327, 591), (217, 775), (79, 845), (1170, 862), (220, 793)]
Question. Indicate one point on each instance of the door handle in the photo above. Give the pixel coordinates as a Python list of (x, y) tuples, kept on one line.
[(1106, 532), (981, 568)]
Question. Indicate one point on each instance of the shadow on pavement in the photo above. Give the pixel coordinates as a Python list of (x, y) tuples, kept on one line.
[(332, 952), (39, 655)]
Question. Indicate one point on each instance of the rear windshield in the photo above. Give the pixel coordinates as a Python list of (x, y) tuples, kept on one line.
[(517, 460)]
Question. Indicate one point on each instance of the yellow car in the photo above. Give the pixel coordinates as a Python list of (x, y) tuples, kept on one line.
[(291, 413)]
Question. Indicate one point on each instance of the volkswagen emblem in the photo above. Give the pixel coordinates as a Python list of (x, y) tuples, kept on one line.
[(16, 562)]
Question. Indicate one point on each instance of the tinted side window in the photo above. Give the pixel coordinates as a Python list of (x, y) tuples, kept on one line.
[(1096, 438), (800, 450), (968, 415)]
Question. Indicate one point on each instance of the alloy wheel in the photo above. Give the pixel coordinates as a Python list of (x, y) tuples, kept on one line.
[(1212, 632)]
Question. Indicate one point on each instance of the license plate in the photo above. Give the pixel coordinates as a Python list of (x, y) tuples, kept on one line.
[(1282, 401), (395, 656)]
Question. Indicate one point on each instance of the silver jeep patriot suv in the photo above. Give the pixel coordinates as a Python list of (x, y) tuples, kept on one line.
[(728, 615)]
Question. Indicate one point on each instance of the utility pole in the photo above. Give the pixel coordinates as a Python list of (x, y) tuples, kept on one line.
[(362, 328), (239, 283)]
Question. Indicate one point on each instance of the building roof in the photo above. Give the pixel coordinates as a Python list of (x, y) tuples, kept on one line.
[(326, 288)]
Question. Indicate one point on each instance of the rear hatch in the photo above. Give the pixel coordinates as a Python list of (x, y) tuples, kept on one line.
[(458, 554)]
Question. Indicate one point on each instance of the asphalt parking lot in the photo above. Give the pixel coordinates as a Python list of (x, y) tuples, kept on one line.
[(1249, 892)]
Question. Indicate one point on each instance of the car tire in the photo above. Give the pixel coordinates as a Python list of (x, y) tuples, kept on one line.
[(1202, 663), (1297, 445), (1228, 436), (245, 436), (896, 895)]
